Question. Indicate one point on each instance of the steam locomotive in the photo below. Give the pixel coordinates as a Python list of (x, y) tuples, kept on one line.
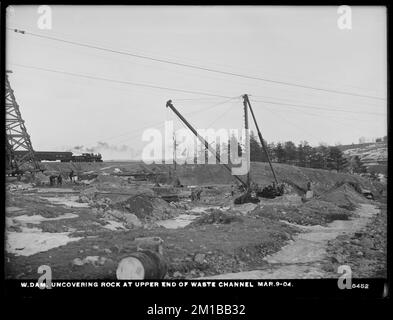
[(62, 156)]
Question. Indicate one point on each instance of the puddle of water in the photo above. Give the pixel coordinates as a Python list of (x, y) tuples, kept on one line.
[(36, 219), (302, 257), (32, 240), (179, 222), (185, 219), (69, 201)]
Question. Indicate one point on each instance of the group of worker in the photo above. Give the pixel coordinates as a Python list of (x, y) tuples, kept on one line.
[(53, 179), (58, 179), (196, 194)]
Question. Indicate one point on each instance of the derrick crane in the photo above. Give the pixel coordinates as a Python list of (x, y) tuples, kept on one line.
[(16, 135), (270, 191), (273, 190)]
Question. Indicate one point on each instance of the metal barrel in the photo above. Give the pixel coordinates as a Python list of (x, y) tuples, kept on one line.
[(140, 265)]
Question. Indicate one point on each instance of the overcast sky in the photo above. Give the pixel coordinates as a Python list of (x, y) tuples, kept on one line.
[(301, 45)]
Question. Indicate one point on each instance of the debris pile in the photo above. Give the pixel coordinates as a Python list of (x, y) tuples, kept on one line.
[(314, 212), (147, 207), (345, 196)]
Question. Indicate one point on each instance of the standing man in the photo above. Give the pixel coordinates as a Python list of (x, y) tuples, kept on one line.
[(52, 180), (59, 180), (198, 195), (71, 175)]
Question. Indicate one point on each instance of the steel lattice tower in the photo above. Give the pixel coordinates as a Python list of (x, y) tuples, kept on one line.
[(16, 135)]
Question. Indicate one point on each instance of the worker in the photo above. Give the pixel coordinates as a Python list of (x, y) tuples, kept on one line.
[(72, 175), (198, 194), (232, 190), (52, 180), (59, 180), (282, 189)]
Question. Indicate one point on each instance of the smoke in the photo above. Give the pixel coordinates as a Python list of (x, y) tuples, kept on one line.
[(102, 146)]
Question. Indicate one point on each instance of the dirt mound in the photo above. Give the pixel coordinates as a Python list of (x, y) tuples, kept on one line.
[(216, 216), (314, 212), (147, 207), (345, 196), (289, 214)]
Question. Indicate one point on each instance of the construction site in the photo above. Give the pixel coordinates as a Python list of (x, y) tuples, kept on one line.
[(90, 218)]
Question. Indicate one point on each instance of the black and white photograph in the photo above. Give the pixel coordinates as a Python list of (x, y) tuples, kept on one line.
[(196, 143)]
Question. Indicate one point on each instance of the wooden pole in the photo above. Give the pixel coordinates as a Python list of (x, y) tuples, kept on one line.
[(246, 101)]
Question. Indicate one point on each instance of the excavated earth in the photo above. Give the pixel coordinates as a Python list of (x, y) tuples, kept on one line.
[(83, 229)]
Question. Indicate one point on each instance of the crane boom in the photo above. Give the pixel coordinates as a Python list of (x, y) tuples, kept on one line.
[(246, 102), (204, 142)]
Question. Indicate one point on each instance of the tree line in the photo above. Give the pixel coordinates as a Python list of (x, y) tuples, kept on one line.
[(302, 155)]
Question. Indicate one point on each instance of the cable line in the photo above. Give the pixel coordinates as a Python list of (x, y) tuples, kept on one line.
[(121, 81), (319, 108), (191, 66)]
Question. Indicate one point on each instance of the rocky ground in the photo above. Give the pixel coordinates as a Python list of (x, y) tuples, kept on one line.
[(83, 230), (365, 251)]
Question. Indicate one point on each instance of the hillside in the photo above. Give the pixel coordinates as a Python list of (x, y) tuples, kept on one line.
[(373, 155)]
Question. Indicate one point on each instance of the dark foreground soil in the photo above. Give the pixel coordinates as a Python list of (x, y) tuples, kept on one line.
[(219, 247), (225, 248)]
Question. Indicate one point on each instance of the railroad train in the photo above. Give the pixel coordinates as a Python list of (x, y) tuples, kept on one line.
[(63, 156)]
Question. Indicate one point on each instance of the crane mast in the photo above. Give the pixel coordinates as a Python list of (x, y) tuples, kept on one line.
[(246, 103)]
